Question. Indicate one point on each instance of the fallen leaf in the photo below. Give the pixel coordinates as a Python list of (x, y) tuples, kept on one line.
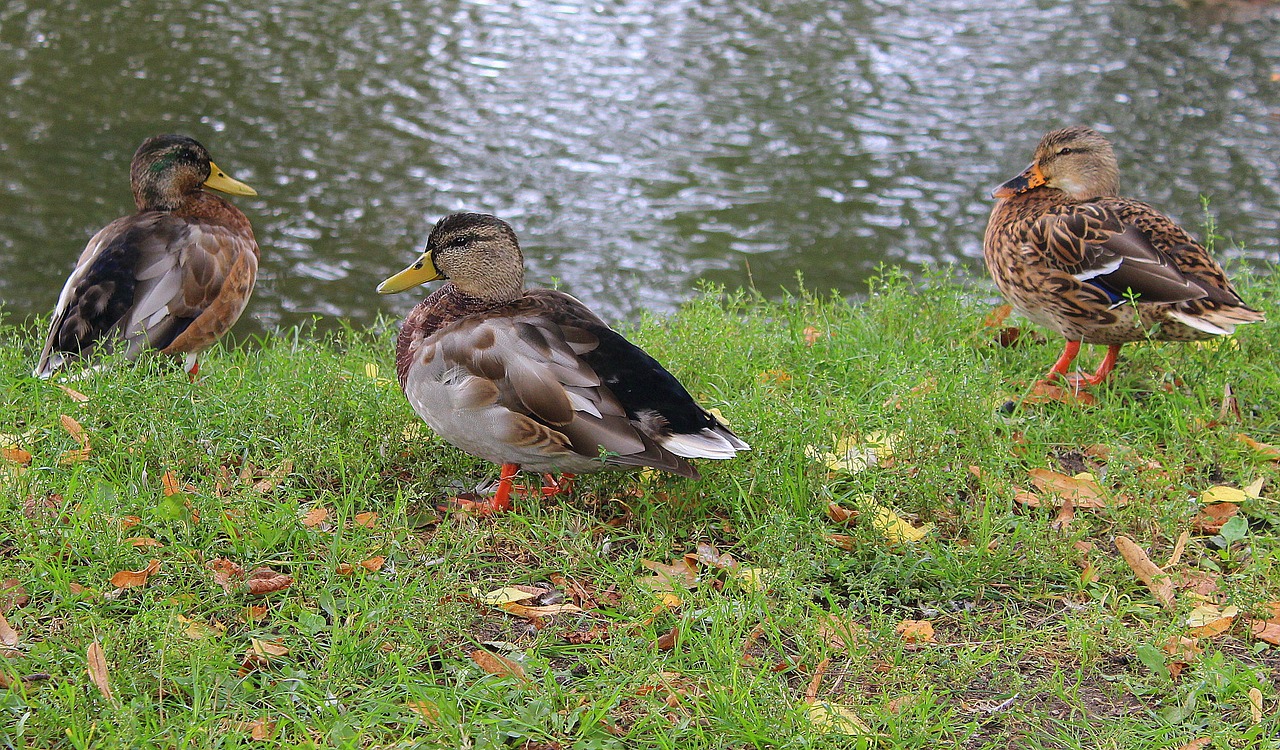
[(853, 455), (668, 640), (426, 709), (997, 316), (261, 729), (12, 595), (344, 569), (143, 541), (268, 649), (1066, 514), (670, 577), (253, 613), (1155, 579), (1255, 705), (1222, 494), (76, 431), (708, 555), (1265, 630), (1044, 393), (811, 335), (266, 581), (225, 573), (127, 579), (1181, 647), (843, 541), (8, 636), (1211, 518), (15, 455), (170, 483), (840, 634), (98, 671), (894, 529), (373, 564), (315, 517), (547, 610), (508, 594), (73, 394), (1208, 620), (197, 630), (498, 665), (367, 519), (1197, 744), (915, 631), (273, 480), (833, 718), (840, 514), (1267, 451), (1081, 489), (754, 579), (1254, 488), (128, 522), (775, 377)]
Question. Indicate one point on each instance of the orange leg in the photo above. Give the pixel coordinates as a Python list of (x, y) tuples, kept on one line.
[(500, 502), (194, 373), (551, 487), (1063, 364), (1078, 381)]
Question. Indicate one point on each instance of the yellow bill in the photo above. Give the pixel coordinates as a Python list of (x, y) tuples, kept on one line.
[(419, 273), (222, 182)]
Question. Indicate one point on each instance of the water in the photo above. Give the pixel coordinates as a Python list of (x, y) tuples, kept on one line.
[(638, 146)]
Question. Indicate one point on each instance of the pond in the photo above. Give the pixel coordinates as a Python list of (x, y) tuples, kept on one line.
[(638, 146)]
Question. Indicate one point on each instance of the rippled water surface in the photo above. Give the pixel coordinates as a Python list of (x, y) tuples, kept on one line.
[(637, 145)]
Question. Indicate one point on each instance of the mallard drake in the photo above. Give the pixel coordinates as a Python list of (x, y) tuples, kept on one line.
[(1070, 254), (531, 377), (175, 276)]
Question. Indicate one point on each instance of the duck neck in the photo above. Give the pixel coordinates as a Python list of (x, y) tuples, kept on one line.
[(439, 309)]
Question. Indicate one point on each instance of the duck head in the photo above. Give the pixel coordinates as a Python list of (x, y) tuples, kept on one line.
[(479, 253), (1077, 160)]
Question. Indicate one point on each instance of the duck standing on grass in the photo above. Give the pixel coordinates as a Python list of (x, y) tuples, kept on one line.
[(174, 277), (1069, 253), (531, 377)]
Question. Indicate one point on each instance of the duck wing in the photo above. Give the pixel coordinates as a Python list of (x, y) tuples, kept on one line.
[(1097, 244), (142, 281)]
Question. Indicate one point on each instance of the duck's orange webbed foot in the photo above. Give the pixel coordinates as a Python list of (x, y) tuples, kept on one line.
[(499, 502)]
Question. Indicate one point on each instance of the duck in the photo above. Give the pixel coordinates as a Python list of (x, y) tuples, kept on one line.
[(173, 277), (1068, 252), (532, 378)]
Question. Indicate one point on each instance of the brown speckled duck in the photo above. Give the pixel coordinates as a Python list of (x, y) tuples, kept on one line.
[(175, 276), (1069, 253), (532, 378)]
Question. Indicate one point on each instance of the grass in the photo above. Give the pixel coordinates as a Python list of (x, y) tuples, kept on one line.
[(1028, 652)]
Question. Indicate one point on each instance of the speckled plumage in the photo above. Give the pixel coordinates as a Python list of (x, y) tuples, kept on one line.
[(533, 377), (174, 277), (1070, 254)]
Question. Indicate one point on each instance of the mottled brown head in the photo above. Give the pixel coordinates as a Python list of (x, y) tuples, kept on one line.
[(479, 253), (167, 169), (1077, 160)]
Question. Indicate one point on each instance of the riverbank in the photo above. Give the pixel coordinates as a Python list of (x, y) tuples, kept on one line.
[(258, 558)]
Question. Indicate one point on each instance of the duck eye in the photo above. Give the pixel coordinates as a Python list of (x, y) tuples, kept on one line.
[(458, 241), (1065, 151)]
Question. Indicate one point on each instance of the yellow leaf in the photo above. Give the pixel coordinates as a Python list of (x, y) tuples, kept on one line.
[(268, 649), (1222, 494), (833, 718), (1255, 704), (371, 371), (196, 630), (1208, 620), (916, 631), (891, 525), (505, 595), (754, 579), (1254, 488), (852, 455)]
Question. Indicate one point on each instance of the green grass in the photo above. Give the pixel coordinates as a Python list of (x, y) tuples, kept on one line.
[(1003, 590)]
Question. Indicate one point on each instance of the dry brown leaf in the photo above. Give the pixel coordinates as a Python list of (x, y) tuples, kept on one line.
[(98, 672), (1255, 705), (670, 577), (1266, 630), (315, 517), (1044, 393), (1212, 518), (373, 564), (367, 519), (12, 595), (1201, 583), (529, 612), (708, 555), (128, 522), (254, 613), (225, 573), (261, 729), (1197, 744), (811, 335), (840, 514), (73, 394), (268, 649), (498, 665), (76, 431), (170, 483), (1066, 514), (1208, 620), (15, 455), (1178, 547), (273, 480), (127, 579), (79, 455), (997, 316), (1270, 452), (345, 569), (1081, 489), (843, 541), (668, 640), (1155, 579), (773, 377), (838, 633), (143, 541), (1183, 648), (915, 631), (426, 709), (266, 581), (8, 636)]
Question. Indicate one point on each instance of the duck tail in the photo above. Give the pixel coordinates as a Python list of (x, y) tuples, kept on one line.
[(1220, 321)]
